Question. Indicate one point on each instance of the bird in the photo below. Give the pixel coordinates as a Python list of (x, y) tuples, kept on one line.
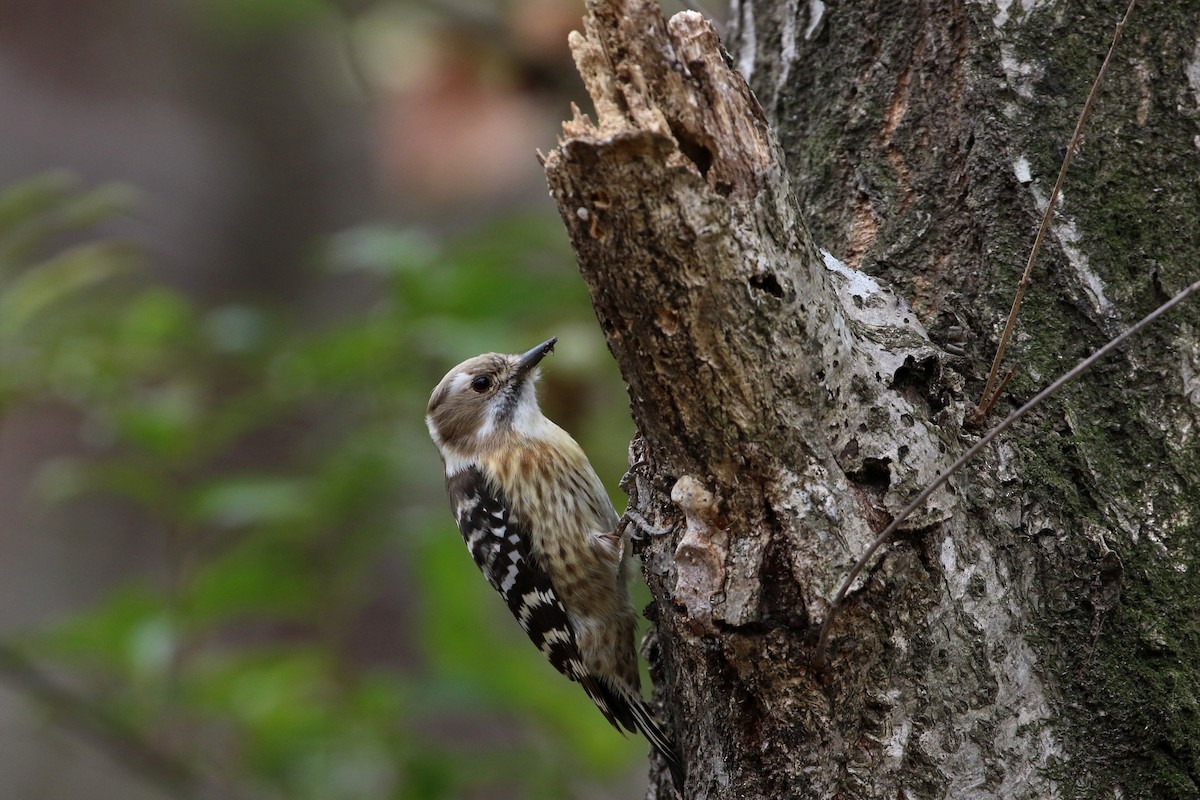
[(540, 526)]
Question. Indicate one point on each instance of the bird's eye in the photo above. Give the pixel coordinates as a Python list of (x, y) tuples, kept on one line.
[(481, 384)]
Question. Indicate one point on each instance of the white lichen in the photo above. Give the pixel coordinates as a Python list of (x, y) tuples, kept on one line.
[(1192, 70), (1021, 75), (1021, 170), (787, 43), (888, 337), (1067, 233), (980, 587), (1001, 16), (816, 13), (1004, 11), (859, 284), (749, 39), (1189, 367)]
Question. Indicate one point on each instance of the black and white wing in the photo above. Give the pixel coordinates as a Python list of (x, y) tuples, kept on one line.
[(499, 543)]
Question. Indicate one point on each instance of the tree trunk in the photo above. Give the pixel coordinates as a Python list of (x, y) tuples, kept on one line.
[(1035, 630)]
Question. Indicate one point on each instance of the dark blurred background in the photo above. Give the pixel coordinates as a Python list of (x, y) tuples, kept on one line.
[(240, 241)]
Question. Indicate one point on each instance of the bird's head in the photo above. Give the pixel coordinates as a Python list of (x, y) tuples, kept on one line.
[(484, 400)]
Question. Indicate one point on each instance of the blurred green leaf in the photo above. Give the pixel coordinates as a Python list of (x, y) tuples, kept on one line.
[(245, 17), (385, 252), (156, 318), (151, 645), (65, 479), (28, 200), (107, 633), (50, 205), (240, 501), (164, 420), (31, 294), (236, 329), (257, 580)]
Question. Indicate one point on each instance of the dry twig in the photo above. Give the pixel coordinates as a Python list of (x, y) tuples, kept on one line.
[(991, 393)]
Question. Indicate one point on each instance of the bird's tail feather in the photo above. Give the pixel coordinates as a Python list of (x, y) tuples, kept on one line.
[(659, 739), (624, 708)]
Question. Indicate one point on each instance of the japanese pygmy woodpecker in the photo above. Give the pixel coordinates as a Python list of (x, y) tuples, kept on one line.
[(541, 528)]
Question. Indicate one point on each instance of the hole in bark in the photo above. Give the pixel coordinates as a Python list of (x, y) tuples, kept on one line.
[(919, 380), (875, 475), (697, 153), (767, 282), (783, 606)]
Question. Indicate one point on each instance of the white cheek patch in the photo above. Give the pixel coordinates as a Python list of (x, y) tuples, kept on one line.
[(489, 422), (433, 434)]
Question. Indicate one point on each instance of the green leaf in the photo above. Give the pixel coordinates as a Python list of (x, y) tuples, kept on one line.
[(260, 579), (163, 420), (68, 275), (49, 205), (32, 199), (65, 479), (246, 500), (246, 17), (106, 631), (155, 319), (236, 329), (387, 252), (150, 646)]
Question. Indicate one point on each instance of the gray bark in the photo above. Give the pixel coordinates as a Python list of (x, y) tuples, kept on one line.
[(1035, 630)]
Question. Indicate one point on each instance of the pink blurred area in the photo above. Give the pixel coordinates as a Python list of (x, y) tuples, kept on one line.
[(455, 137), (459, 126), (248, 140)]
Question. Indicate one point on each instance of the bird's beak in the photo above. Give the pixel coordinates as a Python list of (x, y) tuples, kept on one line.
[(532, 358)]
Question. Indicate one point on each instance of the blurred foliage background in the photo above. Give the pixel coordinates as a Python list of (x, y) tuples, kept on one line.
[(240, 242)]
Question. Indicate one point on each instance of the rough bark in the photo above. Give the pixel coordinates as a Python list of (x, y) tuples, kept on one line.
[(1035, 630)]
